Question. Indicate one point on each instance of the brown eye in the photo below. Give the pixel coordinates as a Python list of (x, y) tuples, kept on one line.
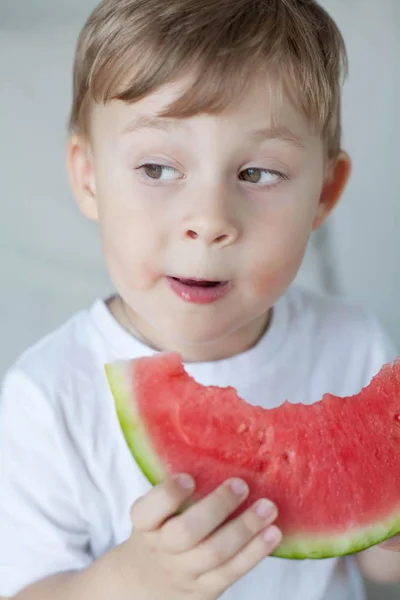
[(159, 172), (153, 171), (264, 177), (251, 175)]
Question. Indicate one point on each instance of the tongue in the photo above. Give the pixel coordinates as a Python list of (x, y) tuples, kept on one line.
[(194, 283)]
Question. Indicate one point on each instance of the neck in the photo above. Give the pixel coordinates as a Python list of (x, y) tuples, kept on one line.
[(235, 343)]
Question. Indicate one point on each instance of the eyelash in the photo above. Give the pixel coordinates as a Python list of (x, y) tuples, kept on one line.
[(155, 181)]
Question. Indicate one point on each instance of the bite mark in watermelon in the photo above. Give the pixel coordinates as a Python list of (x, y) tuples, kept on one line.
[(332, 468)]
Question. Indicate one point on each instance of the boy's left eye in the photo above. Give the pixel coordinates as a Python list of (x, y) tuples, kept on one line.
[(264, 176)]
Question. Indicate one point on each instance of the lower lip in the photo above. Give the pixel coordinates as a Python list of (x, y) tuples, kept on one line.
[(198, 294)]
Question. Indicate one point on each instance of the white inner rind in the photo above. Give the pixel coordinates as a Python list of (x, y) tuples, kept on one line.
[(299, 546)]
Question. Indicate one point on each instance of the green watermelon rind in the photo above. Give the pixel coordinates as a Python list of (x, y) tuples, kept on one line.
[(298, 546), (317, 547), (132, 427)]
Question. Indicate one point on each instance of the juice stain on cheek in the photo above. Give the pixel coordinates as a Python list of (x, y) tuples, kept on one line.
[(264, 282), (273, 279), (140, 277)]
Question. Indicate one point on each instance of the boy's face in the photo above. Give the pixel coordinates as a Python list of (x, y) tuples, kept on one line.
[(224, 198)]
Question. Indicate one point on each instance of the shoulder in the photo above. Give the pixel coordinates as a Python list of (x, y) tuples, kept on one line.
[(55, 401), (70, 352), (332, 318), (340, 334), (323, 309), (60, 376)]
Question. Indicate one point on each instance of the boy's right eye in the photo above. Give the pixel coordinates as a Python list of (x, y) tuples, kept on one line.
[(159, 172)]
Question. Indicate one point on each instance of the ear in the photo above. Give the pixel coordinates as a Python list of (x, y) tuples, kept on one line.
[(81, 175), (334, 184)]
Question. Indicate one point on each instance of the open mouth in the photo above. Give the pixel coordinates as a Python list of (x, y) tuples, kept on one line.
[(198, 291), (199, 282)]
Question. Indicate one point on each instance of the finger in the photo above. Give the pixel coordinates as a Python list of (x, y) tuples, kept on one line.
[(392, 544), (197, 522), (227, 541), (150, 511), (244, 561)]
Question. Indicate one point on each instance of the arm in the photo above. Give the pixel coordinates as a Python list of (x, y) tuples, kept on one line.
[(44, 532), (98, 581), (174, 554), (43, 528), (378, 563), (381, 565)]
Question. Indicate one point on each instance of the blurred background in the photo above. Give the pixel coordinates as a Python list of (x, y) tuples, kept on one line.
[(50, 259)]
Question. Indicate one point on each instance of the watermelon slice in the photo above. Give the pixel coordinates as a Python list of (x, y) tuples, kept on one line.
[(332, 468)]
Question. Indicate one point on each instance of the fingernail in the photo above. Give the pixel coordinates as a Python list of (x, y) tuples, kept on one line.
[(185, 481), (265, 508), (239, 487), (272, 535)]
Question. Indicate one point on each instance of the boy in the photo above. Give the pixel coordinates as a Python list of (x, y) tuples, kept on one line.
[(205, 140)]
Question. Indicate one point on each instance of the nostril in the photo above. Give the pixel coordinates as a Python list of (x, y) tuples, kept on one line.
[(220, 239), (192, 234)]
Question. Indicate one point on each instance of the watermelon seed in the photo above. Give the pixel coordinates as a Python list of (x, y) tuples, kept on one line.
[(288, 456), (397, 419)]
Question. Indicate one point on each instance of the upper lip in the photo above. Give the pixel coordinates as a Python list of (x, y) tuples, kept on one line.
[(199, 279)]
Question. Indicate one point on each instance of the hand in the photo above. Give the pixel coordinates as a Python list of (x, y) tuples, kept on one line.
[(193, 555), (392, 544)]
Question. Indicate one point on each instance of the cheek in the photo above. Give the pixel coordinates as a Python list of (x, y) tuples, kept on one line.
[(276, 276), (131, 234), (279, 254), (132, 245), (130, 261)]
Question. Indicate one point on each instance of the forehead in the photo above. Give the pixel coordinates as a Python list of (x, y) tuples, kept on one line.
[(264, 105)]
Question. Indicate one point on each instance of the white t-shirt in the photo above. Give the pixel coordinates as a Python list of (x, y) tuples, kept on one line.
[(67, 479)]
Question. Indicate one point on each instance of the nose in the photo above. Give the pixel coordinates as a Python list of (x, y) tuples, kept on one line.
[(216, 235), (213, 223)]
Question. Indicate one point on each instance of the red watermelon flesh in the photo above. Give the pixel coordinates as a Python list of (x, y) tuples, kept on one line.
[(332, 468)]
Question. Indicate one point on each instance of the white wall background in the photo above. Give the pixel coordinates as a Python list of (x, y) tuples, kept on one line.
[(50, 260)]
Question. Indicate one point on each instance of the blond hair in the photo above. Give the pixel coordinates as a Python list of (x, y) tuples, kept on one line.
[(130, 48)]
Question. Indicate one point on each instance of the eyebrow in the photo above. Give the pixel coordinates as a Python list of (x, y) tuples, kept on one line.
[(150, 122), (281, 133)]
